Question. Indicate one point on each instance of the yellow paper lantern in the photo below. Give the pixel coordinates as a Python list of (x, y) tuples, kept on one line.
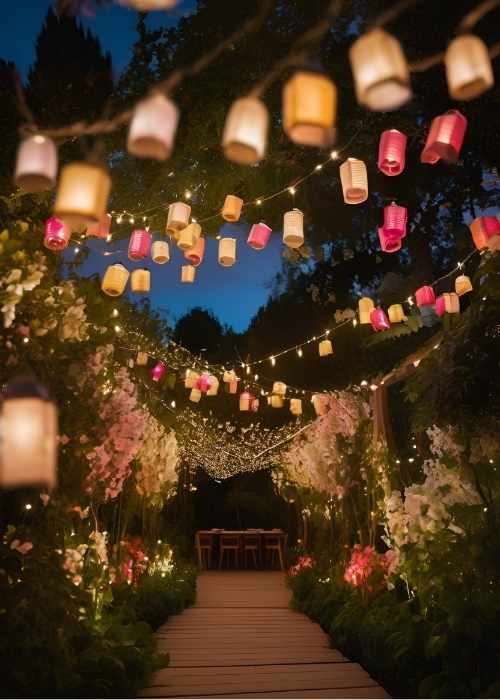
[(277, 401), (214, 386), (245, 131), (245, 399), (188, 273), (231, 210), (463, 285), (381, 73), (296, 407), (396, 313), (293, 228), (325, 348), (227, 252), (115, 280), (191, 378), (279, 388), (195, 395), (309, 109), (468, 67), (82, 195), (160, 252), (178, 217), (140, 281), (354, 179), (36, 164), (365, 307), (152, 129), (142, 359), (189, 236)]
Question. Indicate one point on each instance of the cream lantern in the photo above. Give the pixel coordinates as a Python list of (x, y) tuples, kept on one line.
[(296, 407), (396, 313), (227, 252), (309, 109), (325, 348), (320, 403), (82, 194), (142, 359), (468, 67), (245, 131), (195, 395), (279, 388), (189, 236), (365, 307), (191, 378), (36, 164), (188, 273), (231, 211), (160, 252), (277, 401), (153, 127), (293, 228), (354, 179), (214, 386), (245, 400), (178, 217), (115, 280), (463, 285), (140, 281)]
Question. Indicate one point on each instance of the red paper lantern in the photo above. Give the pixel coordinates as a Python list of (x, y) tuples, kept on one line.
[(139, 245), (391, 152), (425, 296), (379, 320), (158, 371), (259, 236), (57, 234), (445, 138)]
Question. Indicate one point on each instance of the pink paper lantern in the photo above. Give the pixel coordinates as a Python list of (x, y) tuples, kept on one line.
[(389, 244), (394, 228), (139, 245), (158, 371), (445, 138), (391, 152), (379, 320), (100, 229), (195, 254), (233, 386), (57, 234), (440, 307), (259, 236), (204, 383), (425, 296)]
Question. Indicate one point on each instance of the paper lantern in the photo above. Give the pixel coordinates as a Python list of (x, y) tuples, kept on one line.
[(445, 138), (160, 252), (142, 359), (191, 378), (28, 424), (296, 407), (254, 405), (379, 320), (321, 403), (195, 254), (394, 228), (259, 236), (486, 232), (140, 281), (354, 181), (229, 376), (178, 217), (188, 273), (57, 234), (463, 285), (245, 131), (380, 70), (365, 307), (468, 67), (279, 388), (158, 371), (277, 401), (227, 252), (391, 152), (231, 211), (233, 386), (425, 296), (139, 245), (82, 194), (100, 229), (309, 109), (203, 383), (36, 164), (214, 386), (389, 244), (245, 400), (189, 236), (325, 348), (447, 303), (153, 127), (195, 395), (115, 280), (293, 228), (396, 313)]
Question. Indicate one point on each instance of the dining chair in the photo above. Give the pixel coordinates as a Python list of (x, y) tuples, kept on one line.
[(229, 543), (274, 546), (204, 548), (251, 545)]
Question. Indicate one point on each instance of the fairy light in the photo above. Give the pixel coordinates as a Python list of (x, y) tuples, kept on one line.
[(28, 506), (318, 167), (117, 329), (299, 352), (273, 360), (334, 155), (248, 369), (119, 219), (173, 404), (26, 340), (131, 220), (292, 190), (77, 249), (115, 313), (187, 194), (373, 387), (256, 378), (258, 202)]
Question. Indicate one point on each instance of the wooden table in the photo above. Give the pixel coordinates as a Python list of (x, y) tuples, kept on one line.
[(215, 534)]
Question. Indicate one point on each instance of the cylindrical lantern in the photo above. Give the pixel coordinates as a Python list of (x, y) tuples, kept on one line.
[(447, 303), (152, 129), (140, 281), (381, 73), (468, 67), (142, 359), (229, 376), (245, 131), (203, 383), (463, 285), (188, 273), (195, 395), (233, 386), (82, 194), (195, 254), (189, 236), (178, 217), (445, 138), (392, 152), (296, 407), (57, 234), (139, 245), (191, 378), (36, 164), (394, 228), (425, 296), (115, 280), (231, 211), (320, 403), (227, 251), (279, 388), (160, 252), (293, 228), (365, 307), (309, 109), (100, 229), (486, 232), (254, 405), (389, 244), (325, 348), (379, 320), (354, 179), (396, 313), (245, 400), (214, 386), (259, 236), (158, 371), (277, 401)]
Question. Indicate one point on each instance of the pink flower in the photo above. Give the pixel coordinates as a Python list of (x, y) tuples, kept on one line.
[(22, 548)]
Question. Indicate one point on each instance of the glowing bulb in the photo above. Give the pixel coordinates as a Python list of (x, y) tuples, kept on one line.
[(256, 378), (117, 329), (118, 219), (158, 541), (187, 194), (194, 220), (115, 312), (131, 220), (144, 218), (411, 459), (259, 202), (273, 360), (248, 369), (354, 322), (318, 167), (28, 506), (334, 155), (26, 340), (172, 403), (292, 190), (410, 301), (327, 331), (373, 387), (108, 238), (77, 249), (299, 352), (364, 383)]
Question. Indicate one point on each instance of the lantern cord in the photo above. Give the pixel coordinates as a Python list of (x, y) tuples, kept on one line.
[(437, 58), (392, 13), (473, 17), (458, 267)]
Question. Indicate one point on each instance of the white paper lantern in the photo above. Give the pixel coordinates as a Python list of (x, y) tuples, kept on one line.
[(189, 236), (188, 273), (293, 228), (160, 252), (227, 252), (365, 307), (296, 407), (115, 280), (468, 67), (279, 388), (36, 164), (153, 127), (245, 131), (354, 179), (178, 217)]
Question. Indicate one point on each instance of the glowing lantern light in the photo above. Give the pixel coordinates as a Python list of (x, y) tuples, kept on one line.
[(158, 371), (227, 252), (468, 67), (36, 164), (389, 244), (195, 395), (486, 232), (391, 152), (396, 313), (139, 245), (379, 320), (188, 273), (189, 236), (277, 401), (100, 229), (214, 386), (160, 252), (178, 217), (325, 348), (279, 388), (394, 228), (115, 280), (365, 307), (309, 108), (153, 127), (425, 296), (195, 254), (354, 179), (203, 383), (191, 379), (83, 192), (447, 303), (381, 73), (142, 359), (140, 281), (245, 400), (254, 405), (321, 403), (231, 210), (57, 234), (293, 228), (245, 131), (229, 376), (463, 285), (445, 138), (296, 407), (259, 236), (233, 386)]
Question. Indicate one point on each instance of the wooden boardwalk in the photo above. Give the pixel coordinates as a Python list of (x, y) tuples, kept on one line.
[(241, 640)]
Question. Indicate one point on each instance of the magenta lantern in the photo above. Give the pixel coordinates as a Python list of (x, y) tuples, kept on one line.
[(100, 229), (440, 307), (391, 152), (379, 320), (394, 228), (259, 236), (139, 245), (195, 254), (57, 234), (445, 138), (389, 244), (204, 383), (158, 371), (425, 296)]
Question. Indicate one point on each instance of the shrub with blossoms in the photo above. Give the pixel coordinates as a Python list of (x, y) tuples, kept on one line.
[(369, 570), (158, 459), (304, 562)]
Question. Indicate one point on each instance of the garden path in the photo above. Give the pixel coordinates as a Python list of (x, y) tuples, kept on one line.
[(241, 640)]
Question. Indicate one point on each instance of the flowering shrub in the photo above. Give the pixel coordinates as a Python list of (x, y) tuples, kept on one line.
[(368, 569), (304, 562), (19, 280), (158, 457)]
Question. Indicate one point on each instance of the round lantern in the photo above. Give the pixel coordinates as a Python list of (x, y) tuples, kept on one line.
[(188, 273), (309, 109), (425, 296), (391, 152), (142, 359), (320, 403), (468, 67), (195, 395), (57, 234), (100, 229), (178, 217), (445, 138), (189, 236), (463, 285), (245, 131), (276, 401), (115, 280), (380, 70), (36, 164), (325, 348), (140, 281), (365, 307), (486, 232), (259, 236), (293, 228), (396, 313), (158, 371), (160, 252), (195, 254), (191, 379), (153, 127), (279, 388), (296, 407), (354, 179), (245, 400), (214, 386), (203, 383), (379, 320), (231, 211), (227, 252), (82, 194), (139, 245)]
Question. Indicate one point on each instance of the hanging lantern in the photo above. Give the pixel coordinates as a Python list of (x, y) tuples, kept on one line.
[(321, 403), (229, 376), (82, 194), (463, 285), (445, 138), (468, 67), (259, 236), (203, 383), (160, 252), (379, 320), (139, 245), (486, 232), (365, 307), (447, 303), (245, 131), (394, 228), (227, 252), (191, 378), (391, 152), (231, 211), (296, 407), (214, 386), (142, 359), (115, 280), (233, 386), (279, 388), (195, 395), (57, 234), (396, 313), (36, 164), (188, 273), (140, 281), (309, 108), (354, 181), (389, 244), (254, 405), (325, 348), (100, 229), (153, 127), (28, 425), (381, 73), (245, 400), (158, 371), (195, 254), (425, 296), (293, 228), (189, 236), (178, 217), (277, 401)]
